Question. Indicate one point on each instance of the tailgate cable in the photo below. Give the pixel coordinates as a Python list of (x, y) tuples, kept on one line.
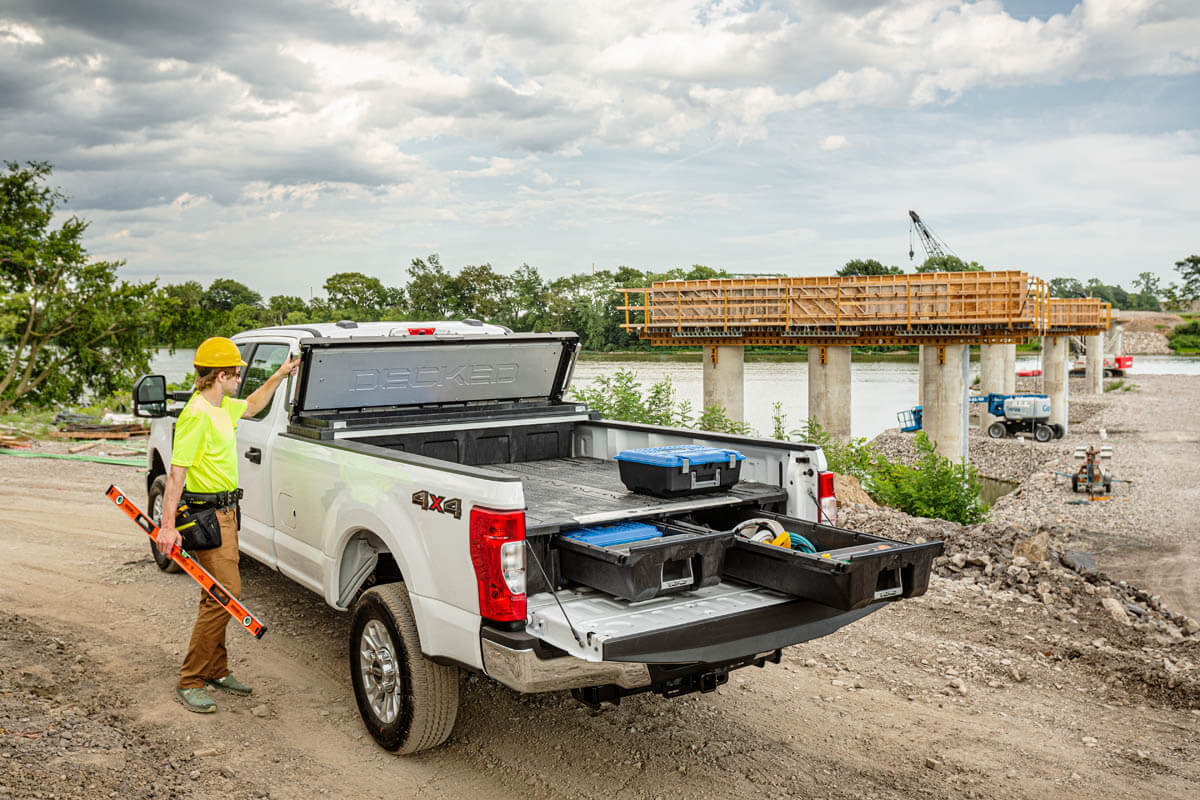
[(554, 592)]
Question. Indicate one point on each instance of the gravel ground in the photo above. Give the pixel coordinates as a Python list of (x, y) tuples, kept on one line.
[(1137, 546), (1026, 674)]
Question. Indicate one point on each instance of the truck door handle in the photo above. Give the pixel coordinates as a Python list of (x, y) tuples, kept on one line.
[(254, 455)]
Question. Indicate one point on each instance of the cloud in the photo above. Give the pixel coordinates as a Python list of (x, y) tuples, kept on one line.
[(399, 121)]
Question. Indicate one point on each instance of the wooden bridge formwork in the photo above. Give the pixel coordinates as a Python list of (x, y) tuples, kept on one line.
[(936, 308)]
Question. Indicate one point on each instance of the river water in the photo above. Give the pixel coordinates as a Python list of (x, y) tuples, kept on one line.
[(879, 387)]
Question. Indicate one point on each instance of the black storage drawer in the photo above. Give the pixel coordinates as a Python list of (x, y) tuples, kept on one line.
[(680, 561), (902, 570), (675, 481)]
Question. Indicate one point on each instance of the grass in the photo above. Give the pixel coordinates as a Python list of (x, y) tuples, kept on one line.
[(1120, 385)]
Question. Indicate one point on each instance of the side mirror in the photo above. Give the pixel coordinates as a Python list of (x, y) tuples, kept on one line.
[(150, 396)]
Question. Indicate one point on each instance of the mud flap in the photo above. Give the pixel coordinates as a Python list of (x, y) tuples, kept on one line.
[(358, 562)]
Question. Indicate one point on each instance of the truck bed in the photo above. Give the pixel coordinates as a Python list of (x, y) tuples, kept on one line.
[(563, 493)]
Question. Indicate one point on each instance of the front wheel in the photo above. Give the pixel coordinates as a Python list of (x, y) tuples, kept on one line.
[(1043, 433), (997, 430), (157, 490), (407, 702)]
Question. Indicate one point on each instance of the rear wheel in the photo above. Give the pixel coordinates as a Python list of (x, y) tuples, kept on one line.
[(1074, 483), (1108, 487), (997, 430), (157, 489), (407, 702), (1043, 433)]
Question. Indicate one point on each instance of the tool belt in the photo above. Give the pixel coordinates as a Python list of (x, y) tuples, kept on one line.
[(196, 519)]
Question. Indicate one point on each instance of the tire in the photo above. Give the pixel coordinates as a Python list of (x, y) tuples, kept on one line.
[(1075, 483), (1059, 432), (154, 503), (1108, 487), (407, 702), (1043, 433), (997, 430)]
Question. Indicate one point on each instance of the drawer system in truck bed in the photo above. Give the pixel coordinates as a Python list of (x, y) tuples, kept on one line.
[(847, 571)]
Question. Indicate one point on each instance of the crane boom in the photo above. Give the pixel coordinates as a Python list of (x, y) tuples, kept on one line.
[(931, 245)]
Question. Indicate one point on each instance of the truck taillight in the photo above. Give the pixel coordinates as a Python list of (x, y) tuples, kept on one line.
[(498, 553), (826, 498)]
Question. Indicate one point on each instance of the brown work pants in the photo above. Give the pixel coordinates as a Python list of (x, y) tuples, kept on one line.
[(206, 656)]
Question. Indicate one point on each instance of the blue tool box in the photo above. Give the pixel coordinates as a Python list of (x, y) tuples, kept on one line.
[(614, 535), (679, 469)]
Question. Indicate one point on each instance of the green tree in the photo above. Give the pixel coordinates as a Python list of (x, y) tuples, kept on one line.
[(868, 266), (1066, 287), (361, 296), (480, 292), (1189, 271), (949, 264), (530, 299), (224, 294), (180, 316), (1148, 290), (428, 288), (68, 326), (281, 306)]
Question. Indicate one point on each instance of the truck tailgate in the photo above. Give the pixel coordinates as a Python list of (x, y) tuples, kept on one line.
[(710, 624)]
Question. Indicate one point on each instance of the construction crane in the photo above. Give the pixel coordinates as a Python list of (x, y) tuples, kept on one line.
[(933, 246)]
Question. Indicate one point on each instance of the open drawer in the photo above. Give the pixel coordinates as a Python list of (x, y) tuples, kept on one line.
[(876, 569), (680, 560)]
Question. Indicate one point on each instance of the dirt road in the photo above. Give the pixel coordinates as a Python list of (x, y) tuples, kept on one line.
[(966, 692)]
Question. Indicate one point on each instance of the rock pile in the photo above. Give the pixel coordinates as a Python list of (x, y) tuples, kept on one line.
[(1144, 343), (1029, 562)]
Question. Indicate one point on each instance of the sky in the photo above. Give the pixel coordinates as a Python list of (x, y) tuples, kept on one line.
[(280, 141)]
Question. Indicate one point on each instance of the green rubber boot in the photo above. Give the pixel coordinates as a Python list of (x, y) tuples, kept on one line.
[(230, 684), (196, 699)]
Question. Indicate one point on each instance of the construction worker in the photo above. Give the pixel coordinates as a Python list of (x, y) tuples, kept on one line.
[(204, 475)]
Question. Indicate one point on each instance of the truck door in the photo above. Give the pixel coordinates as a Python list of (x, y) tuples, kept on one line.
[(255, 437)]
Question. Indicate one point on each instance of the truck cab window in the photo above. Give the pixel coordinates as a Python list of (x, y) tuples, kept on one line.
[(267, 358)]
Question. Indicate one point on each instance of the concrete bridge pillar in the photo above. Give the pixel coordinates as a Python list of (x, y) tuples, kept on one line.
[(1010, 368), (1054, 377), (942, 386), (1093, 372), (829, 388), (920, 372), (993, 361), (723, 379)]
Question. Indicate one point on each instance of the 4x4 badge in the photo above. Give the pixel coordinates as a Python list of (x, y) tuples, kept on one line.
[(433, 502)]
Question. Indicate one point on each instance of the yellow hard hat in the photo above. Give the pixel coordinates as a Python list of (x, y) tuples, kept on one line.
[(218, 352)]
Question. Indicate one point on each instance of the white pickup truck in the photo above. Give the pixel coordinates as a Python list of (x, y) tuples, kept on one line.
[(423, 475)]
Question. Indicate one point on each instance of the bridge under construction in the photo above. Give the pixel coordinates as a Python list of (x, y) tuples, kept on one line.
[(941, 312)]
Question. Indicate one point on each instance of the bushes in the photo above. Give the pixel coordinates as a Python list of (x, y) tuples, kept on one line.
[(1185, 337), (934, 487), (620, 396)]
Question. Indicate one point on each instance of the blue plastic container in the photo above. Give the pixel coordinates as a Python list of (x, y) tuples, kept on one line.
[(614, 535), (679, 469)]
